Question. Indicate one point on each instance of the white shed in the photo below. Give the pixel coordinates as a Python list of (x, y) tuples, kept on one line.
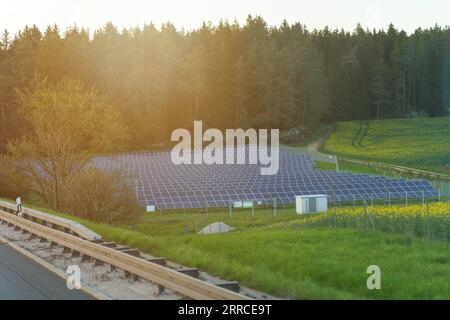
[(311, 203)]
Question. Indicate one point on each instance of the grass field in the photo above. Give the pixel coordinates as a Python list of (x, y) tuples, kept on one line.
[(296, 259), (321, 256), (418, 143), (350, 167)]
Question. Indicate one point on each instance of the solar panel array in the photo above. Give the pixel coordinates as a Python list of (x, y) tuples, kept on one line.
[(161, 183)]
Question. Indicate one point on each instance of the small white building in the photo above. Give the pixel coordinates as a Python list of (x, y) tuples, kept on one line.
[(311, 203)]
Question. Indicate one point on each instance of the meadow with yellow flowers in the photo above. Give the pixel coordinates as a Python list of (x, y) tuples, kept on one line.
[(428, 220)]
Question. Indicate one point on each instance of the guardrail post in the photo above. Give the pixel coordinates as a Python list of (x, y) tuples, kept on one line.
[(43, 240), (75, 254), (98, 263)]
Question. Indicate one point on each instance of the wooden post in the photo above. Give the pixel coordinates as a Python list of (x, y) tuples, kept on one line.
[(428, 223), (335, 220)]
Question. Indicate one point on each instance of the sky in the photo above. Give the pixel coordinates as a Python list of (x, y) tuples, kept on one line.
[(93, 14)]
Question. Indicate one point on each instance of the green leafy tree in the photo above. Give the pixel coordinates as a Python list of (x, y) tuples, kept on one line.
[(68, 125)]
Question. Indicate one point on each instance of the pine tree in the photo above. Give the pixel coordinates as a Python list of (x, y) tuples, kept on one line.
[(239, 92), (379, 87), (232, 75), (313, 93), (196, 69)]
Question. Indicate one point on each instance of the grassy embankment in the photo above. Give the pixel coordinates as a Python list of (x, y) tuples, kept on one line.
[(307, 261), (417, 143)]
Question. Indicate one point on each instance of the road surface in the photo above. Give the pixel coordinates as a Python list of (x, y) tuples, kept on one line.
[(24, 279)]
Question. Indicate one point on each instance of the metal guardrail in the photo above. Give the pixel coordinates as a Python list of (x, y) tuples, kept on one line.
[(168, 278), (48, 219)]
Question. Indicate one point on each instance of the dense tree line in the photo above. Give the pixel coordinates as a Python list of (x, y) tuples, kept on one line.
[(230, 75)]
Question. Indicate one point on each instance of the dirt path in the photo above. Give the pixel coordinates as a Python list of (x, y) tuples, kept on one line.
[(315, 145)]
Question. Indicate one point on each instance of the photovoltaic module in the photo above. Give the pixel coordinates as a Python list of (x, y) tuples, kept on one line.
[(159, 182)]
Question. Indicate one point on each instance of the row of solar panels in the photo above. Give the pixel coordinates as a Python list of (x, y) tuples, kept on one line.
[(160, 183), (224, 201)]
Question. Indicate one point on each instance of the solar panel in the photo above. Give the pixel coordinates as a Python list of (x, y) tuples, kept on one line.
[(161, 183)]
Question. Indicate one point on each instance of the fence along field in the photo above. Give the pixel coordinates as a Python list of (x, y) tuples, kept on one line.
[(415, 217), (421, 217)]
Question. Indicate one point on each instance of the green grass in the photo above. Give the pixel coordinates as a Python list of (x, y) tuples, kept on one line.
[(349, 167), (325, 166), (303, 262), (419, 143), (318, 263), (178, 222), (307, 263)]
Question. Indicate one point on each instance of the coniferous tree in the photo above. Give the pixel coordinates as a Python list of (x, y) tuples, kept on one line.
[(231, 75), (379, 88)]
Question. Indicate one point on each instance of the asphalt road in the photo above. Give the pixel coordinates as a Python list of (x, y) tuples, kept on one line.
[(24, 279)]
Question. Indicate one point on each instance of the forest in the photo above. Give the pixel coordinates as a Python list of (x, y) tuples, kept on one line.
[(233, 76)]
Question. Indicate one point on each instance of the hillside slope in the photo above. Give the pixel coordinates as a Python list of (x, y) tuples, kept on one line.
[(418, 143)]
